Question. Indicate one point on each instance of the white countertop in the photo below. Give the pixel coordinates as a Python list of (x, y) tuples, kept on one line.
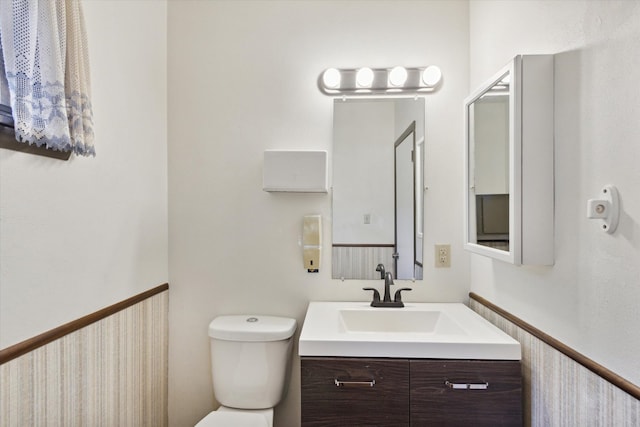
[(418, 330)]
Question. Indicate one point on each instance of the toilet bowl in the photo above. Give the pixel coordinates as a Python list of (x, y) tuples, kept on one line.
[(250, 366), (229, 417)]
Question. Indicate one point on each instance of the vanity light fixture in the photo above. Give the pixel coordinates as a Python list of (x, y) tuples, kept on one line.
[(431, 75), (375, 81), (331, 78), (398, 76), (364, 77)]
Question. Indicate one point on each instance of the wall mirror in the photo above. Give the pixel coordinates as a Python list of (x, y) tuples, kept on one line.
[(489, 141), (509, 163), (377, 196)]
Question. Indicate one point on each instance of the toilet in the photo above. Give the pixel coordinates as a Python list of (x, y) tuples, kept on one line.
[(250, 366)]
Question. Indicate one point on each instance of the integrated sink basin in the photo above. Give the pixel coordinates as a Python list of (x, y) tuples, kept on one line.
[(399, 321), (418, 330)]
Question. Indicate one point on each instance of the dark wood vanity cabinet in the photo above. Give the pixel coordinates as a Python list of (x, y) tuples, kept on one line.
[(465, 393), (354, 392), (410, 392)]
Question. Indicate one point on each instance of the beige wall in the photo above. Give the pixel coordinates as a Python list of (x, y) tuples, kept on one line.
[(242, 79), (80, 235), (589, 298)]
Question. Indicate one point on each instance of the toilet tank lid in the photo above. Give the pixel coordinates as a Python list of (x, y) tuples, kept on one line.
[(252, 327)]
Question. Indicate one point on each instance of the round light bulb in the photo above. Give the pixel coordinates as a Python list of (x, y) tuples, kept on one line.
[(364, 77), (331, 78), (397, 76), (431, 75)]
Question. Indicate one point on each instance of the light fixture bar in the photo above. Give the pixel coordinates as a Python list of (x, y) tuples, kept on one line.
[(376, 81)]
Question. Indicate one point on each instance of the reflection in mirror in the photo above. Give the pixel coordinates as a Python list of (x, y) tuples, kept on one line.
[(489, 167), (378, 146), (404, 212)]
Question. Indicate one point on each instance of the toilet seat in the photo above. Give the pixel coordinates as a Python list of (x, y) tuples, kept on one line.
[(232, 419)]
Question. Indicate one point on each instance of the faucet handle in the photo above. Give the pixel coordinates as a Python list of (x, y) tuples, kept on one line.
[(397, 297), (376, 294)]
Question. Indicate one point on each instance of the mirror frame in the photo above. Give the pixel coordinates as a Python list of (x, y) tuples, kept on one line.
[(513, 255)]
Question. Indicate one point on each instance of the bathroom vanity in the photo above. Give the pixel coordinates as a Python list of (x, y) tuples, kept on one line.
[(410, 392), (421, 365)]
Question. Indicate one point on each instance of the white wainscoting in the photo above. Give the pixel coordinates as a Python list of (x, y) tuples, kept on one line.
[(110, 373), (561, 392)]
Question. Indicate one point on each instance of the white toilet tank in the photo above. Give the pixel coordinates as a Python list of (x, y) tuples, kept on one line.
[(250, 359)]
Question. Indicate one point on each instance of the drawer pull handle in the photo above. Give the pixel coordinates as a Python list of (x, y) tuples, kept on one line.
[(467, 386), (340, 383)]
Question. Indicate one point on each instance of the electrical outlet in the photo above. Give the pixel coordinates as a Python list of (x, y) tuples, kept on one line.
[(443, 256)]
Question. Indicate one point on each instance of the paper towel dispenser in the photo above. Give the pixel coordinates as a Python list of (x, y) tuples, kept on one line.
[(295, 171)]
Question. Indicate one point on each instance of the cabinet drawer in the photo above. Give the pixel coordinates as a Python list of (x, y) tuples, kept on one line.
[(440, 397), (368, 392)]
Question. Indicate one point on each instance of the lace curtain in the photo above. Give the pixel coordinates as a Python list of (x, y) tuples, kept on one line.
[(46, 65)]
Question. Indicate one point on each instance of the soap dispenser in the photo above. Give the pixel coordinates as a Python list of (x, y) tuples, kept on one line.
[(312, 242)]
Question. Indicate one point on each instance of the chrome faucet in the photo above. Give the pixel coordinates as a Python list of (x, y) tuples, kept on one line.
[(386, 301)]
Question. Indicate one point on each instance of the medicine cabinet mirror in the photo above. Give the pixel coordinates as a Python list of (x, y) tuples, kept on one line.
[(378, 160), (509, 164)]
